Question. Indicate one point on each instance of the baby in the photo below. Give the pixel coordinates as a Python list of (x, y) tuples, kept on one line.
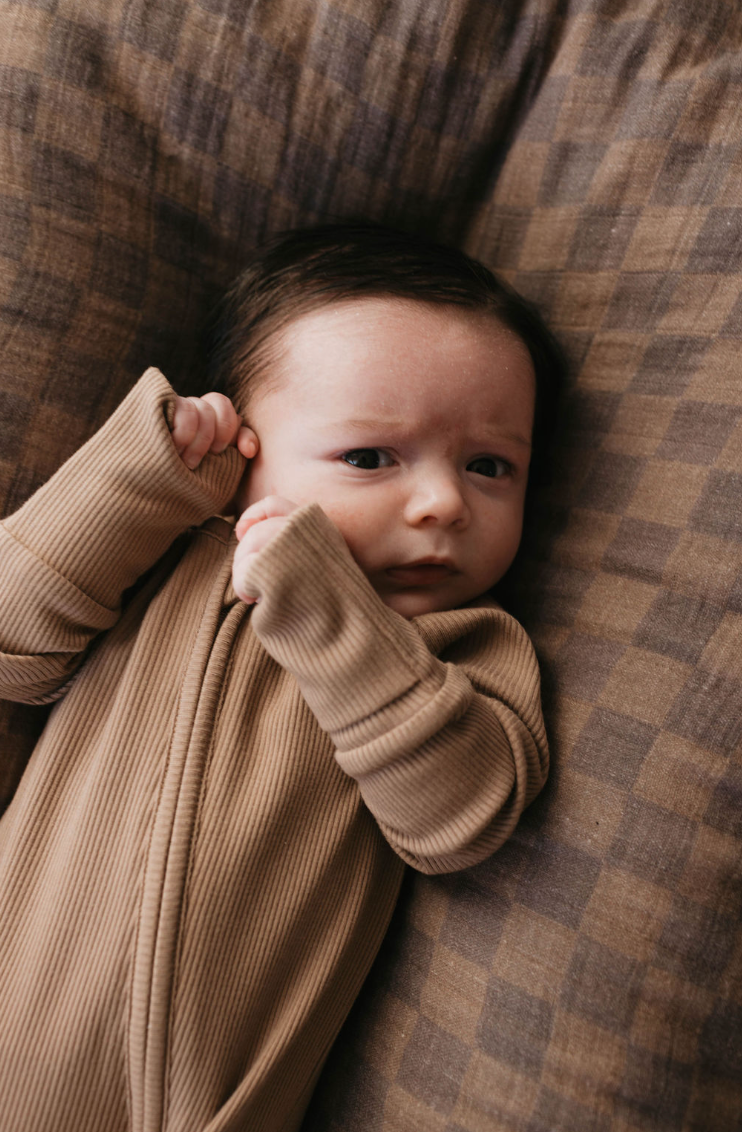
[(258, 724)]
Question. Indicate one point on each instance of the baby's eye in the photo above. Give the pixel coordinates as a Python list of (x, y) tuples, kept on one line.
[(367, 458), (489, 466)]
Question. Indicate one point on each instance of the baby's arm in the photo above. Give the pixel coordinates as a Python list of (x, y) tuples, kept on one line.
[(106, 517), (439, 721)]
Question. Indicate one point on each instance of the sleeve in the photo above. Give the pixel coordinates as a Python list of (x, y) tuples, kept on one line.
[(448, 749), (104, 518)]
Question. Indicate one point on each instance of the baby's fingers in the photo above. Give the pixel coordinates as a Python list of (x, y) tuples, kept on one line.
[(226, 421), (247, 442), (185, 423), (270, 507), (258, 537), (197, 448)]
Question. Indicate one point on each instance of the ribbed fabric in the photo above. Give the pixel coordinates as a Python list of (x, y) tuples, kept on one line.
[(193, 876)]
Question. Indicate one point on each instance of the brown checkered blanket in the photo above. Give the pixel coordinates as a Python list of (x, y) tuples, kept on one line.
[(588, 977)]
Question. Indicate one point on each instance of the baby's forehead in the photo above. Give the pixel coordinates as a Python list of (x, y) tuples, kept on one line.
[(385, 327), (388, 363)]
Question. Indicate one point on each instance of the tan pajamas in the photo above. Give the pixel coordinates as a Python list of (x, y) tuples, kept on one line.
[(203, 855)]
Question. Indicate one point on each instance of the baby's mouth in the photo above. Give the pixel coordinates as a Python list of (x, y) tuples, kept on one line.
[(421, 573)]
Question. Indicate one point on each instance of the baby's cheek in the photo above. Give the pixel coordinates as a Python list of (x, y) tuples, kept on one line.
[(242, 495), (503, 553), (257, 482), (366, 557), (349, 521)]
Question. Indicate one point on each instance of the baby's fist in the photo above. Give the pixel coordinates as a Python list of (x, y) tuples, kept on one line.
[(209, 424), (256, 527)]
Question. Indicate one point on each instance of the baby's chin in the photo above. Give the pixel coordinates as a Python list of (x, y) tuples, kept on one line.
[(412, 602)]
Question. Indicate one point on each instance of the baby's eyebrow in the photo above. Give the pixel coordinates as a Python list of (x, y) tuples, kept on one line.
[(360, 424), (367, 425), (515, 438)]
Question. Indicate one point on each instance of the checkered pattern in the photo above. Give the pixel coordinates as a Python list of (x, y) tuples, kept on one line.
[(588, 977)]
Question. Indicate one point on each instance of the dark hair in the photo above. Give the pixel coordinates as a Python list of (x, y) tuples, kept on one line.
[(303, 269)]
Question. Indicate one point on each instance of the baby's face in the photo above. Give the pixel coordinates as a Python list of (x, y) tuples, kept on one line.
[(410, 424)]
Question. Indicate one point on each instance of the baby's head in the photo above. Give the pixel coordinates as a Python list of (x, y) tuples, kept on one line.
[(402, 387)]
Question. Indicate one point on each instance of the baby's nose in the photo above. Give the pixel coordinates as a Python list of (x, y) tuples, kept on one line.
[(437, 498)]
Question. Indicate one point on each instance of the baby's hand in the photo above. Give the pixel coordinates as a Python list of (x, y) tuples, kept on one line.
[(209, 424), (256, 527)]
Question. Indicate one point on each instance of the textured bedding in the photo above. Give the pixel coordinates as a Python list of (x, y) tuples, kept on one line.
[(589, 976)]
